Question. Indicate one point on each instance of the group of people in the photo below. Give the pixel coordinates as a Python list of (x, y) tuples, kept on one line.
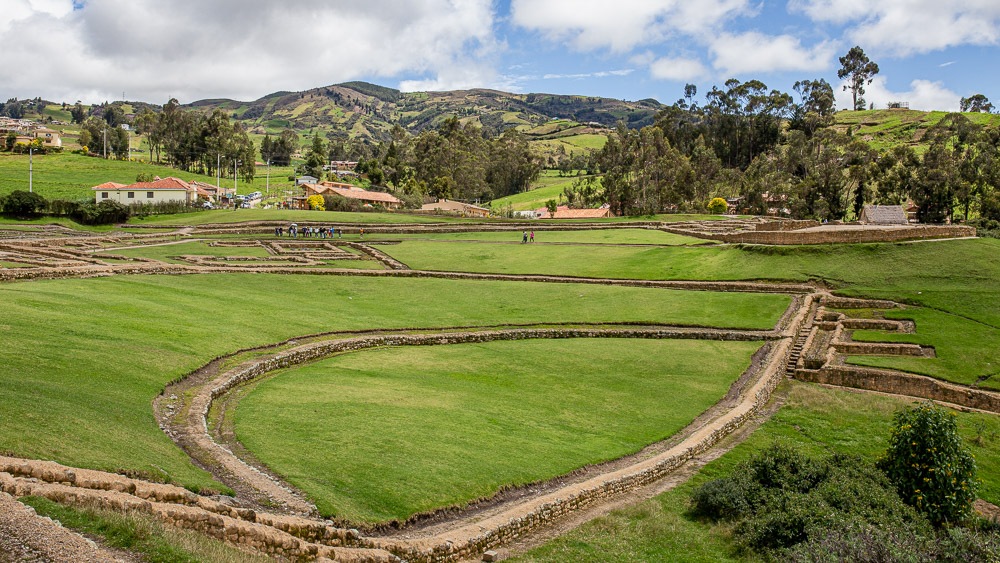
[(309, 232), (527, 237)]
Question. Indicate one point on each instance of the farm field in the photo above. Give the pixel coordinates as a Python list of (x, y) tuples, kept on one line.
[(423, 415), (388, 432)]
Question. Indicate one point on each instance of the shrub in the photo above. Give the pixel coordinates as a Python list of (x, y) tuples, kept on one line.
[(338, 203), (929, 465), (718, 206), (780, 499), (104, 213), (23, 205), (316, 203)]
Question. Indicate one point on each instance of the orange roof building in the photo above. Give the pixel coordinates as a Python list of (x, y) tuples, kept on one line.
[(565, 212), (157, 191), (350, 191)]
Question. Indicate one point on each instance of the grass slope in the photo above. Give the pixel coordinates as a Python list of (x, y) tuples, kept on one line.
[(956, 279), (380, 435), (82, 359), (819, 421)]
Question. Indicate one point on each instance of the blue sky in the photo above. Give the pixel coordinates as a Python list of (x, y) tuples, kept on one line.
[(931, 52)]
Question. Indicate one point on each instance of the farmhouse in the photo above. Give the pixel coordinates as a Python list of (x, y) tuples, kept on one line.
[(457, 207), (49, 137), (159, 190), (349, 191), (883, 215), (564, 212)]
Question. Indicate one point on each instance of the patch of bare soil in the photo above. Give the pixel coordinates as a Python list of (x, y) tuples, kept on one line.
[(26, 536)]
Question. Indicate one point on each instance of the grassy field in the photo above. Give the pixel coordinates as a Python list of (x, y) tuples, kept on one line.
[(231, 216), (959, 345), (82, 359), (596, 236), (381, 435), (958, 289), (70, 176), (550, 185), (819, 421)]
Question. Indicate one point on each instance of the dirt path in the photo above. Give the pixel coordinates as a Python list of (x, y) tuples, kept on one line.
[(25, 536)]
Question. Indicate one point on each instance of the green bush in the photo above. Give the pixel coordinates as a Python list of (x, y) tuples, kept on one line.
[(105, 213), (23, 205), (929, 465), (780, 499)]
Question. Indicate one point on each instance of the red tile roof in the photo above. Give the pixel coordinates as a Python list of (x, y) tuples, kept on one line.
[(354, 193), (158, 184), (162, 184), (107, 186), (563, 212)]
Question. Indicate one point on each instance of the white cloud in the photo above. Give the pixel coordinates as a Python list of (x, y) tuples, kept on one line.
[(905, 27), (755, 52), (620, 26), (191, 49), (922, 95), (678, 69), (581, 75)]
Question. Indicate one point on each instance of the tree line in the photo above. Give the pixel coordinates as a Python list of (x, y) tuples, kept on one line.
[(455, 161), (776, 153)]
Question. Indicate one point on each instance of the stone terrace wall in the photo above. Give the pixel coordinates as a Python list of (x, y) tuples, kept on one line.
[(838, 236), (899, 383)]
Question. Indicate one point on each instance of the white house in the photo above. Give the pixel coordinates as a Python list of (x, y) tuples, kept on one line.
[(159, 190)]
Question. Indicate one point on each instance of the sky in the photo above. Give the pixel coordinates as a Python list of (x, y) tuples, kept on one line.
[(931, 53)]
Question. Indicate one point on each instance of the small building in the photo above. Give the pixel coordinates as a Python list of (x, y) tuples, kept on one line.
[(157, 191), (883, 215), (49, 137), (350, 191), (565, 212), (302, 180), (456, 207), (213, 193)]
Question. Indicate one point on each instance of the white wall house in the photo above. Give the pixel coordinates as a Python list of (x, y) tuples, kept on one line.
[(159, 190)]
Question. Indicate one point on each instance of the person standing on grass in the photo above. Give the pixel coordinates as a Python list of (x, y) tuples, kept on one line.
[(532, 239), (524, 237), (361, 232)]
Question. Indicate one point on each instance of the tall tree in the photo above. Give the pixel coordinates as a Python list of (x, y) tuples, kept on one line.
[(815, 108), (859, 70), (316, 158), (976, 103)]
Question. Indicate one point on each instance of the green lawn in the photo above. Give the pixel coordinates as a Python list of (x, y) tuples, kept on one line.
[(384, 434), (820, 421), (82, 359), (597, 236), (958, 341), (549, 186), (230, 216)]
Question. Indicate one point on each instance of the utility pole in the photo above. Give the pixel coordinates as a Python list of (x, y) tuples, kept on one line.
[(267, 185), (236, 176), (218, 175), (31, 166), (105, 142)]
